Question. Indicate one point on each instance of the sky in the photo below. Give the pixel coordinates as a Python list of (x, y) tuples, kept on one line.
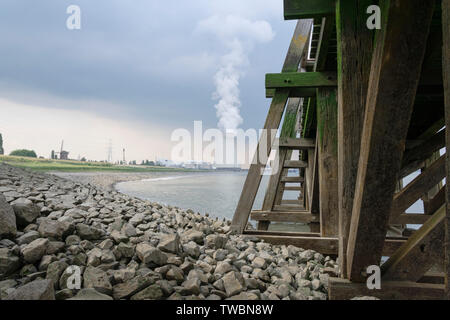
[(135, 71)]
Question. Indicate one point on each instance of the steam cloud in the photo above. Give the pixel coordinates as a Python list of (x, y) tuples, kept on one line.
[(239, 35)]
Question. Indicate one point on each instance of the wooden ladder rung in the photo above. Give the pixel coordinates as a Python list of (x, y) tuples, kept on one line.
[(290, 202), (293, 188), (297, 143), (288, 208), (292, 179), (290, 164), (280, 216)]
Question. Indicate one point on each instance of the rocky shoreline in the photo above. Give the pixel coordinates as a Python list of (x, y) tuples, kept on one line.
[(62, 239)]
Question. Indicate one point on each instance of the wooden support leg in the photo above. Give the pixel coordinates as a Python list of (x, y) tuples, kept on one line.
[(354, 56), (446, 77), (395, 72), (328, 162)]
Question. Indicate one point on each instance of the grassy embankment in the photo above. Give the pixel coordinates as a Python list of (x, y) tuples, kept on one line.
[(78, 166)]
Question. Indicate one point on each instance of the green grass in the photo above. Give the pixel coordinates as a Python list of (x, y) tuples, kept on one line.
[(78, 166)]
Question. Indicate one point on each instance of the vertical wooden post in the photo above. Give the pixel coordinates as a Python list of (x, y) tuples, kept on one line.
[(395, 72), (446, 77), (328, 160), (354, 44)]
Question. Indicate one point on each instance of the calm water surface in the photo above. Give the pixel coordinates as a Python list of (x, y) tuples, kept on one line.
[(216, 193)]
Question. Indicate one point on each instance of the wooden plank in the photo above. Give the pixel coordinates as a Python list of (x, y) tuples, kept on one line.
[(354, 48), (419, 186), (254, 176), (328, 161), (293, 164), (281, 233), (288, 208), (301, 80), (292, 189), (297, 46), (343, 289), (282, 216), (436, 202), (417, 255), (396, 66), (295, 93), (433, 277), (292, 179), (409, 218), (301, 9), (446, 77), (425, 149), (297, 143)]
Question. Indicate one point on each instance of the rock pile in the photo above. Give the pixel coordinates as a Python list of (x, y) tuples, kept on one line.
[(65, 240)]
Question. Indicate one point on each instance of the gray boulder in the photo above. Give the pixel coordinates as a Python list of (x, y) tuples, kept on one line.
[(35, 290), (8, 227), (8, 262), (54, 229), (90, 294), (170, 243), (97, 279), (34, 251), (131, 287), (86, 232), (149, 254), (26, 211)]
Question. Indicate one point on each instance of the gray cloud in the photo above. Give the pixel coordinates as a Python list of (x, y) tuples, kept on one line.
[(141, 59)]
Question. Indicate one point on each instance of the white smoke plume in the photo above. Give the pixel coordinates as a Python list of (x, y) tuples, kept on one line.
[(239, 36)]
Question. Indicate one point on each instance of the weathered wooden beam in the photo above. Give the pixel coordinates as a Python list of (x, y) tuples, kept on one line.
[(343, 289), (436, 202), (409, 218), (416, 256), (354, 52), (419, 186), (327, 112), (283, 216), (425, 149), (302, 9), (288, 208), (292, 179), (446, 77), (292, 164), (396, 66), (281, 233), (300, 80), (279, 101), (295, 93), (297, 143), (292, 189)]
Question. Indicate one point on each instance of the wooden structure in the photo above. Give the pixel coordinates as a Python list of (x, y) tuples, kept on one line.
[(364, 109)]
